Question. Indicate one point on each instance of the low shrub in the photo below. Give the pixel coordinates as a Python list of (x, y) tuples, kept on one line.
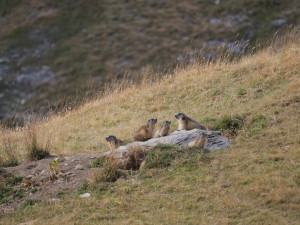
[(108, 173), (96, 163), (34, 149), (229, 123)]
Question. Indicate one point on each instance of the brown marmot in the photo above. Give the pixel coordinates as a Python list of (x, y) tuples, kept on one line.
[(113, 142), (164, 129), (199, 141), (186, 123), (145, 132)]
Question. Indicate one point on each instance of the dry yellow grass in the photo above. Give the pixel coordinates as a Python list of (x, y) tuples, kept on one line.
[(255, 181)]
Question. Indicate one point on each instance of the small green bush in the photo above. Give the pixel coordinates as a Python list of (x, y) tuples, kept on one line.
[(33, 190), (157, 159), (229, 123), (257, 124), (29, 202), (83, 188), (241, 91), (11, 181), (96, 163)]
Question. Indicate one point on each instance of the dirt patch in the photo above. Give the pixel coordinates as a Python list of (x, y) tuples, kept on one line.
[(38, 184)]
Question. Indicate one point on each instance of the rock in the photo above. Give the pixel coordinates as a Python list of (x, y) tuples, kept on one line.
[(85, 195), (73, 160), (214, 20), (65, 164), (4, 60), (215, 141), (29, 177), (279, 22), (79, 167)]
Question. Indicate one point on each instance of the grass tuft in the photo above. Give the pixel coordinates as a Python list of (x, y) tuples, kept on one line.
[(34, 149)]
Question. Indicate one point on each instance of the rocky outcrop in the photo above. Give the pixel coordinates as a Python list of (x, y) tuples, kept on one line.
[(215, 141)]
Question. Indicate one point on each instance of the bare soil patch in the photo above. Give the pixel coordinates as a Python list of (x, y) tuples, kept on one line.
[(38, 185)]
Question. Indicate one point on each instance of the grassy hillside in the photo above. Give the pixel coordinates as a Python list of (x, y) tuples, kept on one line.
[(74, 44), (255, 181)]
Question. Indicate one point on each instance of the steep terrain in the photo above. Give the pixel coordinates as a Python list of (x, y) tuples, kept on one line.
[(254, 101), (56, 51)]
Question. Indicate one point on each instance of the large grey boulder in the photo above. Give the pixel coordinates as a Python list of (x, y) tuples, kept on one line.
[(215, 141)]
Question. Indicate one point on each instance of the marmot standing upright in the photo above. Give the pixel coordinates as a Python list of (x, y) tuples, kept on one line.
[(164, 129), (145, 132), (199, 141), (186, 123), (113, 142)]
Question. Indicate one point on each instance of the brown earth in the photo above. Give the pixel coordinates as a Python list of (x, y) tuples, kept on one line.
[(69, 180)]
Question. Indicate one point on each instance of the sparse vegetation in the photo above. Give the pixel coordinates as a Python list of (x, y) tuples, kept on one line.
[(96, 163), (54, 169), (11, 181), (34, 149), (8, 156), (29, 202)]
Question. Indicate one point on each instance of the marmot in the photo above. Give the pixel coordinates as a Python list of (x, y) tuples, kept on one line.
[(199, 141), (186, 123), (164, 129), (145, 132), (113, 142)]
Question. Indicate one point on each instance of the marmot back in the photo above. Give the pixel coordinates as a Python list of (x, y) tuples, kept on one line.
[(186, 123)]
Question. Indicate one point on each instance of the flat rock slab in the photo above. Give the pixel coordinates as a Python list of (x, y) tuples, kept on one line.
[(215, 141)]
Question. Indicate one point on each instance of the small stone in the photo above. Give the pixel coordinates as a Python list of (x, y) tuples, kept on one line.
[(214, 20), (29, 177), (70, 174), (67, 158), (85, 195), (75, 160), (286, 147), (65, 164), (279, 23), (44, 171), (79, 167), (93, 157)]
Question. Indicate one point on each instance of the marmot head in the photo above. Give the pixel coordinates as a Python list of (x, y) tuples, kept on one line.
[(111, 138), (166, 123), (181, 116), (151, 122)]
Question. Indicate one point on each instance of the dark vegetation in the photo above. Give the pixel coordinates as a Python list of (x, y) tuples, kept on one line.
[(89, 44)]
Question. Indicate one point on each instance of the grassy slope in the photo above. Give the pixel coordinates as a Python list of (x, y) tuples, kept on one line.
[(117, 32), (255, 181)]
